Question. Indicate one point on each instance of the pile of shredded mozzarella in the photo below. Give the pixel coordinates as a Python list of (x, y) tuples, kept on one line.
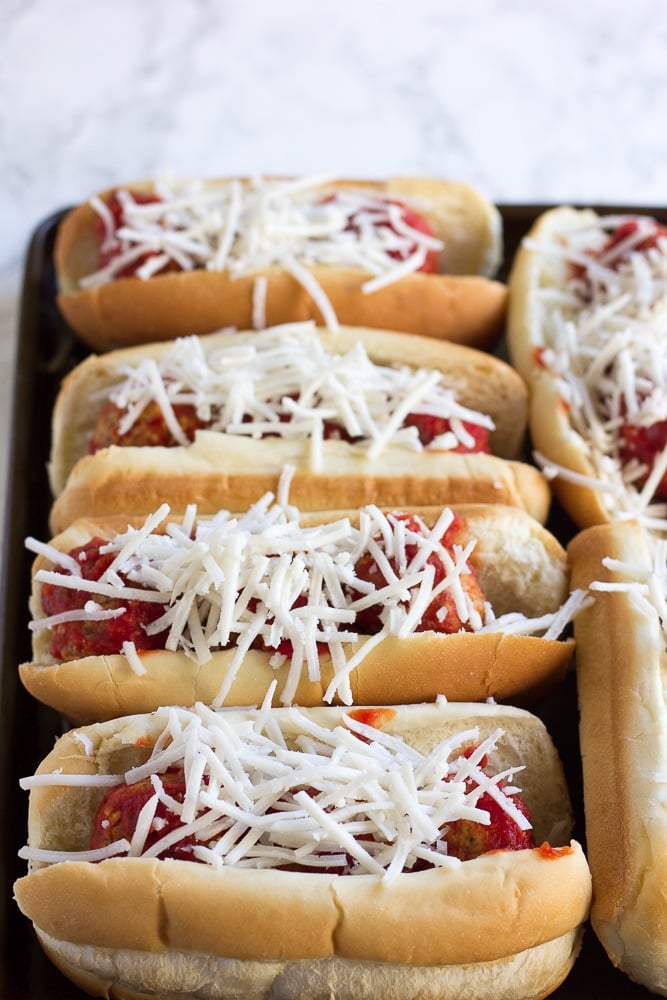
[(353, 796), (245, 227), (245, 388)]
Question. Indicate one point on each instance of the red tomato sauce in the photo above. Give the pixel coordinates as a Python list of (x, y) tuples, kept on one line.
[(467, 840), (409, 217), (553, 853), (644, 444), (430, 427), (150, 429), (625, 231), (615, 240), (118, 813), (418, 222), (375, 717), (441, 615), (76, 639), (110, 249)]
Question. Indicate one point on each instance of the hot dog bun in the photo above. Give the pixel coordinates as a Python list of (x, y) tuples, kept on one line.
[(520, 566), (551, 431), (140, 925), (459, 304), (585, 331), (621, 661), (227, 470)]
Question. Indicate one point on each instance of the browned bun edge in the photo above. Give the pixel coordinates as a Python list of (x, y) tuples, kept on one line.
[(621, 661), (552, 436), (538, 895), (520, 565), (158, 906), (224, 472), (465, 309), (461, 305), (532, 974), (463, 667), (551, 432), (480, 381)]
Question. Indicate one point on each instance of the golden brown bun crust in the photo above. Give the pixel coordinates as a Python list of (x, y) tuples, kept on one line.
[(536, 898), (520, 565), (460, 304), (221, 472), (550, 428), (463, 667), (621, 663), (464, 309), (480, 381), (432, 918)]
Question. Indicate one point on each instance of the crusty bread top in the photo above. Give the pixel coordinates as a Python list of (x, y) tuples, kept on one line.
[(464, 309), (514, 669)]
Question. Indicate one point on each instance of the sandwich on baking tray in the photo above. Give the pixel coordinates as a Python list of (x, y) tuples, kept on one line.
[(293, 571)]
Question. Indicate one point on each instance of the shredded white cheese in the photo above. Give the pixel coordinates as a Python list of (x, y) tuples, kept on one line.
[(251, 226), (284, 383), (605, 344), (233, 581), (259, 796)]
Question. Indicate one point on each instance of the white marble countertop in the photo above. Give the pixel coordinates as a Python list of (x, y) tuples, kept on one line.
[(546, 102)]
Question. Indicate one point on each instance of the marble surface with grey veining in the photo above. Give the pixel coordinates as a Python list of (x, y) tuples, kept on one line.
[(532, 102)]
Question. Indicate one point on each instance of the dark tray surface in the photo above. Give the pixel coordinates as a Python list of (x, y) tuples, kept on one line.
[(47, 349)]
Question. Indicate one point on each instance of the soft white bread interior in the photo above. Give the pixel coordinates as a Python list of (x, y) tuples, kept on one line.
[(531, 273)]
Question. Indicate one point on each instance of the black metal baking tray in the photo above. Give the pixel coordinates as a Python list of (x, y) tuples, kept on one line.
[(47, 349)]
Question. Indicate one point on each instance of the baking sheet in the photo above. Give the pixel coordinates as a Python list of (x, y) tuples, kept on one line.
[(47, 349)]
